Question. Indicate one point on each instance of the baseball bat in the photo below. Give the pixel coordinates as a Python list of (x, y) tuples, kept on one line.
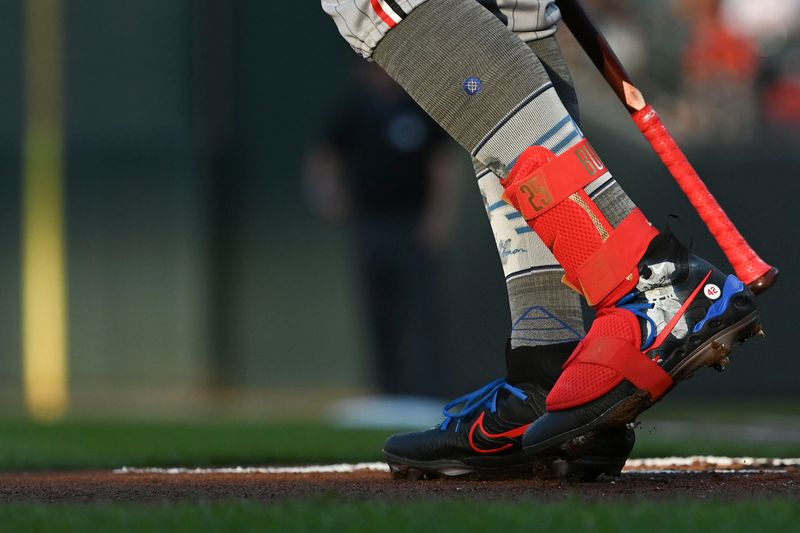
[(749, 267)]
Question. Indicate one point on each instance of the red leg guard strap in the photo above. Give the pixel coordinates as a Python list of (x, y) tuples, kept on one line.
[(541, 181), (620, 355), (616, 261), (600, 261)]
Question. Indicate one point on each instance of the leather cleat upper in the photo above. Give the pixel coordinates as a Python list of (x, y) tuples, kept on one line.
[(481, 435)]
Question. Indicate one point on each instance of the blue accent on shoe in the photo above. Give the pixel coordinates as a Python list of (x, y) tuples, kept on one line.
[(638, 309), (523, 230), (477, 400), (497, 205), (732, 287)]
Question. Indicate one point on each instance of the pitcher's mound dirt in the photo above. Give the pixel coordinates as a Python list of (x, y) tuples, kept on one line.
[(689, 481)]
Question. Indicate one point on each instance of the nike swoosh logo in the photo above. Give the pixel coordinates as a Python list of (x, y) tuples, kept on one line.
[(674, 321), (481, 430)]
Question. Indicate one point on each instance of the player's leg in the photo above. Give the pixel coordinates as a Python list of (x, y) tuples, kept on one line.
[(659, 319), (492, 94), (546, 317)]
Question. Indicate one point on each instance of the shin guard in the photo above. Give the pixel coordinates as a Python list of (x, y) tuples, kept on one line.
[(600, 261)]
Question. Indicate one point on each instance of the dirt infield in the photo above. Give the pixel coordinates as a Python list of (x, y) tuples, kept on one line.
[(690, 479)]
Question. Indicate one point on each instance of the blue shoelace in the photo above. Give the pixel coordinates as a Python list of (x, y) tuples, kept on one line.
[(477, 400), (639, 309)]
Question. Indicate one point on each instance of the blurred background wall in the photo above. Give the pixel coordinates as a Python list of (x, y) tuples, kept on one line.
[(195, 265)]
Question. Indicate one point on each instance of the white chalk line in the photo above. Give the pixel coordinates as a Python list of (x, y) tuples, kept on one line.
[(710, 460), (662, 465), (343, 468), (676, 471)]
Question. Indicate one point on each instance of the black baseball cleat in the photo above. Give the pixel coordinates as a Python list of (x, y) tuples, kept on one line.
[(481, 435), (684, 314)]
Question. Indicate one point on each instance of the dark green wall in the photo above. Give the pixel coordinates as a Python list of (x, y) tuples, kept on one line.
[(178, 266), (10, 129)]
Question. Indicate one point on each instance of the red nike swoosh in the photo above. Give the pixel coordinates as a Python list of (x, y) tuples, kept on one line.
[(511, 434), (672, 323)]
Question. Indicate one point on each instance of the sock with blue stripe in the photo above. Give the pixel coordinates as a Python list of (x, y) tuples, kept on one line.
[(543, 310)]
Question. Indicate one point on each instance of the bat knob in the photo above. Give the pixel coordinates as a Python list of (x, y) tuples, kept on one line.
[(764, 282)]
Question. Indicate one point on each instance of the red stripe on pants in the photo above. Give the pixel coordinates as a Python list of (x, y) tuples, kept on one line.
[(381, 13)]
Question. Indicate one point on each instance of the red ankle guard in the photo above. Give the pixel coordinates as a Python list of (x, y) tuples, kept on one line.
[(600, 261), (613, 269)]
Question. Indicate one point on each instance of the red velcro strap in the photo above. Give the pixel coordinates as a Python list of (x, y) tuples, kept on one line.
[(545, 187), (637, 368), (617, 259)]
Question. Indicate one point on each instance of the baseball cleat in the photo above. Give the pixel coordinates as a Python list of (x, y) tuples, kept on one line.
[(682, 315), (481, 435)]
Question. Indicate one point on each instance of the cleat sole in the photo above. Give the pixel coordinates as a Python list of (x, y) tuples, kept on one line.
[(716, 351), (587, 468)]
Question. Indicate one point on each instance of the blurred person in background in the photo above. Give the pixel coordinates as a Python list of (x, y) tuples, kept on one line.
[(739, 63), (385, 169), (774, 25), (720, 69), (780, 94), (619, 20)]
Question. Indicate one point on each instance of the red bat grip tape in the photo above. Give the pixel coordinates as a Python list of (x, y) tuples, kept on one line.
[(747, 264)]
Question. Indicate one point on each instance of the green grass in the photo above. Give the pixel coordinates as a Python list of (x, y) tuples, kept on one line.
[(442, 515), (100, 444), (110, 444), (103, 444)]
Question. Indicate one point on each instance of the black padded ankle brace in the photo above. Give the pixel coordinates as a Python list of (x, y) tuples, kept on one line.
[(537, 364)]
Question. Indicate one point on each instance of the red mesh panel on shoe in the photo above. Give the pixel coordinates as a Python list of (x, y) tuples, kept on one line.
[(617, 323), (581, 383)]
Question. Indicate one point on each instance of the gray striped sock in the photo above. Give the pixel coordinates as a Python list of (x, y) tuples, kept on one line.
[(549, 53), (512, 103)]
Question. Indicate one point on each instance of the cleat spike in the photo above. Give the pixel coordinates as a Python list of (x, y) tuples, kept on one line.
[(720, 350), (559, 469), (414, 475)]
